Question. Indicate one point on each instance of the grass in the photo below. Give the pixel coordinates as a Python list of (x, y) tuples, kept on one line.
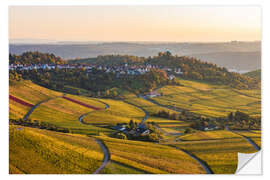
[(17, 110), (248, 133), (64, 113), (119, 112), (150, 157), (210, 100), (150, 107), (35, 151), (31, 92), (254, 74), (257, 140), (220, 155), (253, 135), (114, 167), (38, 151), (87, 100), (201, 135)]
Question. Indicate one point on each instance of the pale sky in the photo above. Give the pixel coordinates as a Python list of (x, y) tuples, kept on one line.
[(135, 23)]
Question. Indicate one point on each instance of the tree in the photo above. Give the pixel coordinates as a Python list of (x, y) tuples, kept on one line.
[(153, 137), (131, 124), (230, 116), (187, 130), (121, 136)]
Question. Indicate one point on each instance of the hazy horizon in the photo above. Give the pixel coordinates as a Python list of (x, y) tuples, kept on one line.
[(16, 40), (135, 23)]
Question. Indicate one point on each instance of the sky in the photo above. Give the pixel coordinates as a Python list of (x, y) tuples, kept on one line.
[(136, 23)]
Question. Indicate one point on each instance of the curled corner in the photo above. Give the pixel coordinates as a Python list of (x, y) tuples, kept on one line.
[(249, 163)]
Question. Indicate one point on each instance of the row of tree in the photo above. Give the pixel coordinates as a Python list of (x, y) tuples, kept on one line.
[(192, 68), (241, 120), (97, 82), (196, 69), (28, 58), (39, 124)]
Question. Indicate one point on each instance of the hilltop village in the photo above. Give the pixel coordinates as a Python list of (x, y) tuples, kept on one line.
[(121, 70)]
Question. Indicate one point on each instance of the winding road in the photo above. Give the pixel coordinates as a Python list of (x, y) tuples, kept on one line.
[(245, 137), (107, 155), (205, 166), (36, 105), (201, 162), (106, 152), (146, 116)]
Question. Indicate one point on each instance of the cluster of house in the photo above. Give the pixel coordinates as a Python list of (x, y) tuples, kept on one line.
[(19, 67), (141, 129), (211, 127), (118, 70), (128, 70), (153, 94)]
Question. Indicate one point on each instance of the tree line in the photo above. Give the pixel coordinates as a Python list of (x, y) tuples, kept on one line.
[(39, 124), (29, 57), (97, 82), (192, 68)]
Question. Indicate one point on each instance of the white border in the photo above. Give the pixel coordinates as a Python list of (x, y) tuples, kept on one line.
[(4, 78)]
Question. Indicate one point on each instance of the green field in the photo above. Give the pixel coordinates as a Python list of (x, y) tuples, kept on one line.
[(220, 155), (119, 112), (16, 110), (210, 100), (35, 151), (31, 92), (150, 107), (64, 113), (150, 157), (208, 135)]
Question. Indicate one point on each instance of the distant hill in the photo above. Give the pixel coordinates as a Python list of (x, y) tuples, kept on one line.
[(191, 68), (217, 52), (254, 74), (241, 61)]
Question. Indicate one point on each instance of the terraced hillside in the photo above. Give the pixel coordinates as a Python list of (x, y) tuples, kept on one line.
[(65, 113), (151, 158), (253, 135), (27, 93), (219, 154), (119, 112), (35, 151), (210, 100), (31, 92)]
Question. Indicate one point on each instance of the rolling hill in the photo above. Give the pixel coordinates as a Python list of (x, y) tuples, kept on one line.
[(220, 53), (254, 74), (36, 151)]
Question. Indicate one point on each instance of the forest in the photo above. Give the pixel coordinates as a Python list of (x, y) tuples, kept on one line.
[(60, 78), (35, 57), (192, 68)]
